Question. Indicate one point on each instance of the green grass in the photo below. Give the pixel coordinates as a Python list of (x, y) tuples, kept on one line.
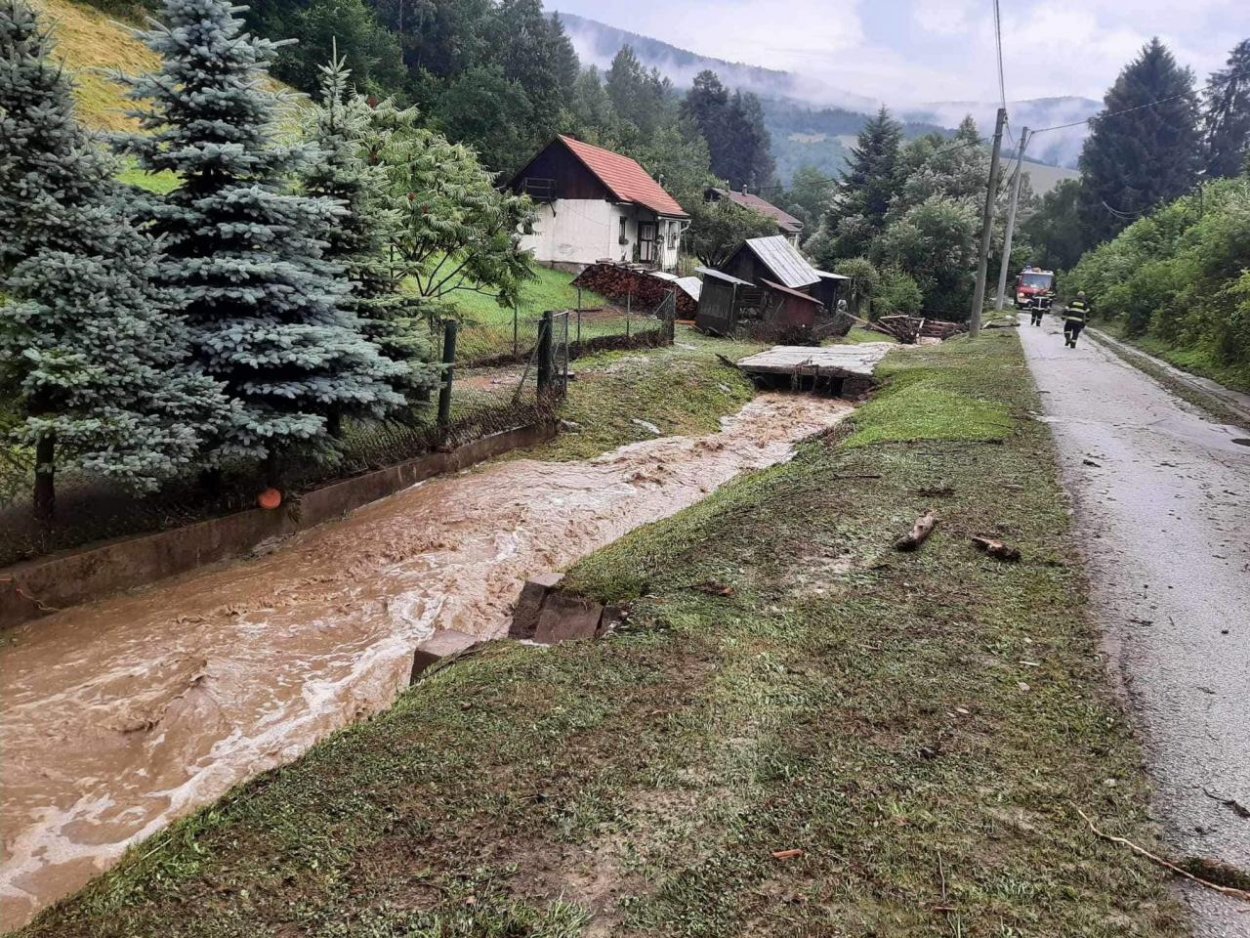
[(487, 328), (858, 334), (681, 389), (928, 400), (548, 290), (1196, 360), (159, 183), (921, 726)]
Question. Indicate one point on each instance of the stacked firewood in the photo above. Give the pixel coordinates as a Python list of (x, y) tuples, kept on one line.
[(910, 329), (624, 284)]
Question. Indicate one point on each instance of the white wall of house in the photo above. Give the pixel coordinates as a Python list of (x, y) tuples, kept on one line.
[(582, 231)]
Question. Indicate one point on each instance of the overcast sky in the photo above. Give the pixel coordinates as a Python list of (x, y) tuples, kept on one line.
[(910, 51)]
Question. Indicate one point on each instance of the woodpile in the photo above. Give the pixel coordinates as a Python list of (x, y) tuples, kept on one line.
[(910, 329), (637, 286)]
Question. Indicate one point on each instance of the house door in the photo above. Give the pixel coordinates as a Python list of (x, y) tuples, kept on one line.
[(646, 242)]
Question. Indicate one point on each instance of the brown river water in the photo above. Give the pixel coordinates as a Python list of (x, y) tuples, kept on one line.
[(122, 715)]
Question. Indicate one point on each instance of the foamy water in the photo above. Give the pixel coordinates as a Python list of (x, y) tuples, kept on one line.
[(123, 715)]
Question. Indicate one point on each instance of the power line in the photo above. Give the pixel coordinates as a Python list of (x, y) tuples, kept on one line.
[(1002, 82), (998, 44), (1126, 110)]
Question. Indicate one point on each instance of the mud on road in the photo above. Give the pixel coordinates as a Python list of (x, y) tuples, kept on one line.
[(125, 714), (1162, 501)]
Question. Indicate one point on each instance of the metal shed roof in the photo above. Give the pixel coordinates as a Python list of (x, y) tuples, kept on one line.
[(826, 275), (786, 263), (720, 275), (794, 293)]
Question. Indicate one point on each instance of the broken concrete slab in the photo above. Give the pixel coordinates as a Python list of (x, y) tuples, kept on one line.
[(564, 618), (441, 645), (530, 603), (831, 361)]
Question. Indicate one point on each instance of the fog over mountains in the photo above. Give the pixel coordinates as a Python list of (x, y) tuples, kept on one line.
[(813, 122)]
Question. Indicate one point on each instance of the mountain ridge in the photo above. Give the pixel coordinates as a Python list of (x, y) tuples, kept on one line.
[(809, 120)]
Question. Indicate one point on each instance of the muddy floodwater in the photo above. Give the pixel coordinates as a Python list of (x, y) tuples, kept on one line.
[(122, 715)]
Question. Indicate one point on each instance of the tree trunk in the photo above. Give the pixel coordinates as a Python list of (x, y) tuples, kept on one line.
[(334, 423), (45, 480)]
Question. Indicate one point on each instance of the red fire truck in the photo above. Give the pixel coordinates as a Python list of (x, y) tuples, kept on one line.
[(1033, 281)]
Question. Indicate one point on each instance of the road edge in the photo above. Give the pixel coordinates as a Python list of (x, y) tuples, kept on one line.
[(1190, 388)]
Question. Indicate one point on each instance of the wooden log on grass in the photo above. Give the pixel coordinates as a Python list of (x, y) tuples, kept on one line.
[(919, 532), (996, 548)]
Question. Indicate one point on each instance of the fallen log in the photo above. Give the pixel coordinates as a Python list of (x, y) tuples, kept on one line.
[(919, 532), (996, 548)]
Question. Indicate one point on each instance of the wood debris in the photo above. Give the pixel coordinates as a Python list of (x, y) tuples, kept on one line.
[(996, 548), (911, 329), (919, 532)]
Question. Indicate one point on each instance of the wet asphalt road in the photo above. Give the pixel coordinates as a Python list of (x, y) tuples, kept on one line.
[(1162, 502)]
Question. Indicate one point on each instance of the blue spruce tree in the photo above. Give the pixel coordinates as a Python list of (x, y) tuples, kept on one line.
[(265, 309), (351, 135), (86, 346)]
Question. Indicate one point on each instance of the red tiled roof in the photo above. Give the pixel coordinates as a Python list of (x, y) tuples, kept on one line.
[(785, 221), (627, 180)]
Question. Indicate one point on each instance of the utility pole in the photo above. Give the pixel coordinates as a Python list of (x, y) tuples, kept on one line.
[(987, 227), (1011, 222)]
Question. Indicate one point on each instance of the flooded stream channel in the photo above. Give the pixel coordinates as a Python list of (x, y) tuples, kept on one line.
[(124, 714)]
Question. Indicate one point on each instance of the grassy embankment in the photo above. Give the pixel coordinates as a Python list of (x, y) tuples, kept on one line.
[(487, 328), (1199, 361), (922, 727)]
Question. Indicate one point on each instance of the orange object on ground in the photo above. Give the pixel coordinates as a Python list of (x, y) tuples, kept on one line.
[(269, 499)]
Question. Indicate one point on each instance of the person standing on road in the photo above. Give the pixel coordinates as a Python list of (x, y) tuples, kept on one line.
[(1075, 315)]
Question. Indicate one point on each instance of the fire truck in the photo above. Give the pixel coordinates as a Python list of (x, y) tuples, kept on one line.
[(1033, 281)]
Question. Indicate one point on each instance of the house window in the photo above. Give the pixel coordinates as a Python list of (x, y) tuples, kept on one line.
[(623, 239), (672, 234)]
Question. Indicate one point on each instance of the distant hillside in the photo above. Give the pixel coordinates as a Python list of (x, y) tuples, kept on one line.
[(821, 137), (1059, 147), (807, 129), (596, 43), (93, 46), (1043, 178)]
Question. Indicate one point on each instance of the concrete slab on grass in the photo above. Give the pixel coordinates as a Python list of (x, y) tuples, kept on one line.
[(833, 361)]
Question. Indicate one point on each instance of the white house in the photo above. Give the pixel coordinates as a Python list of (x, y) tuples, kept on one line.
[(596, 205)]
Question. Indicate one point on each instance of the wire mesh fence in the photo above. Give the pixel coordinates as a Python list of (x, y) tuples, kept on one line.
[(510, 334), (473, 402)]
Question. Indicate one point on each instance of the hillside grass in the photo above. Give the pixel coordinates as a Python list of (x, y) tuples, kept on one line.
[(94, 46), (919, 728), (682, 389), (546, 290)]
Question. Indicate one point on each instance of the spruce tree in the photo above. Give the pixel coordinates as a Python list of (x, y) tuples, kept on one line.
[(85, 340), (352, 136), (1147, 155), (264, 308), (1226, 120), (856, 217)]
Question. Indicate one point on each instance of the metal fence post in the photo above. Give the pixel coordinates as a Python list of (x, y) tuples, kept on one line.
[(564, 371), (579, 325), (629, 310), (516, 335), (546, 363), (449, 359)]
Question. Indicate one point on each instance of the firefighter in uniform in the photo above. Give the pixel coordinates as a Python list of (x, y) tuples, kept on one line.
[(1074, 319)]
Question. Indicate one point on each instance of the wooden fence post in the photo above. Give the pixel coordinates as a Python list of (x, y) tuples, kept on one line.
[(546, 360), (449, 360)]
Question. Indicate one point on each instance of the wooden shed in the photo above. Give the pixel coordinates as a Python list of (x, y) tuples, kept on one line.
[(773, 258), (766, 288)]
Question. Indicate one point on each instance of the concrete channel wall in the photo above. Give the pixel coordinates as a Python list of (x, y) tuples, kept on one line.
[(39, 587)]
